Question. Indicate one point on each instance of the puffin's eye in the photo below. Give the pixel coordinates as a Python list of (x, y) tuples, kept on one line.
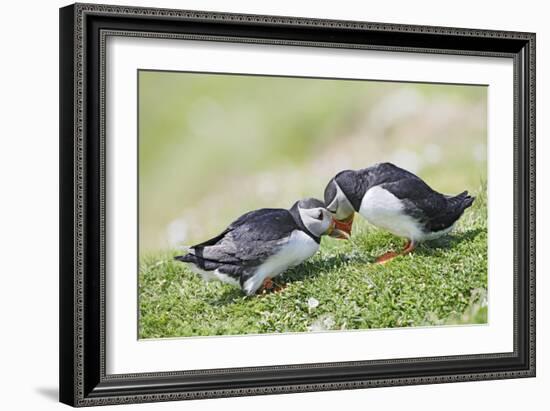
[(320, 215)]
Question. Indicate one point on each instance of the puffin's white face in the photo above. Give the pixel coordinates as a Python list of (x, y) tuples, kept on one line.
[(340, 205), (318, 221)]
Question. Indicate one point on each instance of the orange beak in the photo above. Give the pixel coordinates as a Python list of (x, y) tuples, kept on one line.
[(342, 228)]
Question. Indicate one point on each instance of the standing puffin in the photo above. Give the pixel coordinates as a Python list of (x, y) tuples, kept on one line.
[(394, 199), (262, 244)]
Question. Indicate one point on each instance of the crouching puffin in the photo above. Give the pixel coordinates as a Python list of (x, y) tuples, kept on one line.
[(262, 244), (396, 200)]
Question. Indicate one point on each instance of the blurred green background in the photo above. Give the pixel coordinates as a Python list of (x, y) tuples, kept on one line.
[(212, 147)]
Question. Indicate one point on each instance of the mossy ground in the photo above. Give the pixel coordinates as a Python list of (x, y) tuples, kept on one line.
[(441, 282)]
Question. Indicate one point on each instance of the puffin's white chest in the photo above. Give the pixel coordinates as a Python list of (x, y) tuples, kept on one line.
[(298, 248), (382, 209)]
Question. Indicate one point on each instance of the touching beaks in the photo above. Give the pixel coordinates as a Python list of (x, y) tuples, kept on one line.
[(341, 229)]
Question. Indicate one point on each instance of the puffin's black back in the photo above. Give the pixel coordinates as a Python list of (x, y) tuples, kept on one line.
[(434, 210), (266, 224), (247, 243), (355, 183)]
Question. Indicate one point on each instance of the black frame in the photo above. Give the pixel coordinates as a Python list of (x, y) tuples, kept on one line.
[(83, 30)]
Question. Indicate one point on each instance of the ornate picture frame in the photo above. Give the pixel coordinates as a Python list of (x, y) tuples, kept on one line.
[(84, 30)]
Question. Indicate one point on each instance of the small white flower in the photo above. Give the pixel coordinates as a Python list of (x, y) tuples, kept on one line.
[(312, 303), (328, 322), (324, 323)]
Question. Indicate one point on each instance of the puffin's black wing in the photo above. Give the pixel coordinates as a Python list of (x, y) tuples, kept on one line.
[(245, 244), (250, 216), (419, 199), (356, 183), (434, 210)]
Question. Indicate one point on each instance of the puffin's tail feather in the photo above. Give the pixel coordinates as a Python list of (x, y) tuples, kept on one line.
[(187, 258), (468, 201), (461, 201)]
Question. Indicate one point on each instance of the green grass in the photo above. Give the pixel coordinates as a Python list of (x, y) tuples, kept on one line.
[(441, 282)]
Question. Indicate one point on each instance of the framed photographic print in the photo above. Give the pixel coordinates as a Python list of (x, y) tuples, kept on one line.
[(262, 204)]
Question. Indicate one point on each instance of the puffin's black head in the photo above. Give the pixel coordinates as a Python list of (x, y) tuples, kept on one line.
[(315, 218), (340, 199), (310, 203)]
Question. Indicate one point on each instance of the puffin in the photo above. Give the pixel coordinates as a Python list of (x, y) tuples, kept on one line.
[(262, 244), (396, 200)]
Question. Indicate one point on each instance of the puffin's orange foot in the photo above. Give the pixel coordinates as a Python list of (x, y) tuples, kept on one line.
[(390, 255), (384, 258), (271, 286), (267, 286), (409, 247)]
